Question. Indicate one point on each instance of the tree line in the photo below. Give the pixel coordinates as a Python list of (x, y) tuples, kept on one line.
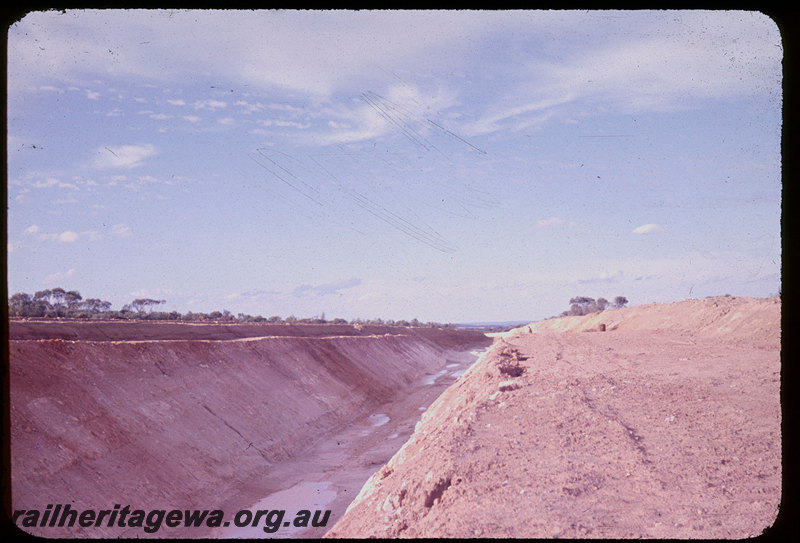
[(582, 305), (60, 303)]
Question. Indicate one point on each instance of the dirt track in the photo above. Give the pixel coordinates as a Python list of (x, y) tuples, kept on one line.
[(171, 416), (665, 426)]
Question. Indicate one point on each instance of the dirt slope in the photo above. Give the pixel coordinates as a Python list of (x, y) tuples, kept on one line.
[(665, 426), (752, 321), (194, 419)]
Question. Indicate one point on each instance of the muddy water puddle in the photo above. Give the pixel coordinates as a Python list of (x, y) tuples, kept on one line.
[(333, 471)]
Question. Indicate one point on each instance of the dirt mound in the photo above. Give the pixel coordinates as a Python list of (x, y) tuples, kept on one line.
[(753, 320), (668, 425), (190, 423)]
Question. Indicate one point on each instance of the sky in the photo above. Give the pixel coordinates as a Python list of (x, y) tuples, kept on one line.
[(450, 166)]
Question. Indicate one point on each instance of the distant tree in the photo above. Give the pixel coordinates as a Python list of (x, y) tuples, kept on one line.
[(58, 295), (583, 305), (95, 305), (41, 300), (20, 304), (72, 299), (620, 301), (141, 304), (42, 295), (580, 305), (581, 300)]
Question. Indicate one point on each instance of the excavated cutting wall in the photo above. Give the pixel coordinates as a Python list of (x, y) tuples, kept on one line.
[(180, 416)]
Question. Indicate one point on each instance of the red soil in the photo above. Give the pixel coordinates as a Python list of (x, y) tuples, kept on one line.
[(183, 416), (667, 425)]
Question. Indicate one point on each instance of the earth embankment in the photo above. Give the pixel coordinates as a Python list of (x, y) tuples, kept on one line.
[(181, 416), (666, 425)]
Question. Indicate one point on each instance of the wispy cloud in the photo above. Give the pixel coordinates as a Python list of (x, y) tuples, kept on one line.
[(39, 181), (671, 62), (326, 289), (612, 278), (647, 229), (67, 236), (123, 156), (57, 277), (209, 104), (121, 230), (255, 294), (520, 114)]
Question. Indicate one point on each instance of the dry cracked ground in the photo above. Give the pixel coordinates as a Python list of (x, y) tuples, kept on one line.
[(666, 425)]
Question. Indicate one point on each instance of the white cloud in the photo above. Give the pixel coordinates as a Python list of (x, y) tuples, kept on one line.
[(248, 107), (606, 278), (123, 156), (121, 230), (312, 52), (51, 182), (284, 124), (363, 122), (663, 61), (318, 53), (59, 276), (68, 236), (176, 102), (209, 104), (493, 121), (647, 229)]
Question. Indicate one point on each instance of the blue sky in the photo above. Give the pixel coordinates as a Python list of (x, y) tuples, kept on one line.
[(451, 166)]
